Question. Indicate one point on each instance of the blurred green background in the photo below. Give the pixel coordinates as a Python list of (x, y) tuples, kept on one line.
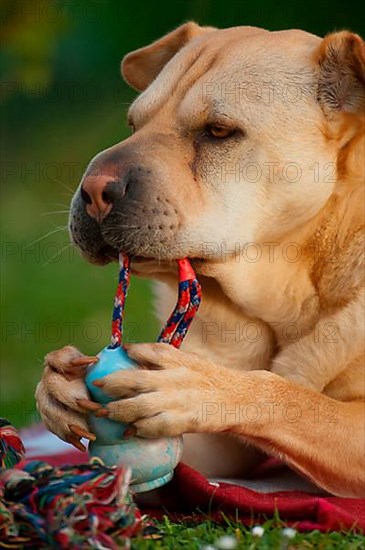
[(63, 101)]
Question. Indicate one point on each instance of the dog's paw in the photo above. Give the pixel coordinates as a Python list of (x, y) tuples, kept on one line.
[(168, 395), (62, 397)]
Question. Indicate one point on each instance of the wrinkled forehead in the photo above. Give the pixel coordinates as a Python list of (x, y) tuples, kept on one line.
[(216, 72)]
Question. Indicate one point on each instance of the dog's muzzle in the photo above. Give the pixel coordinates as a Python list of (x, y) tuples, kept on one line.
[(122, 208)]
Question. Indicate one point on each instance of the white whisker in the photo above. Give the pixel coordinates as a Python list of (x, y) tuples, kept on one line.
[(72, 191), (58, 204), (58, 229), (58, 253), (55, 212)]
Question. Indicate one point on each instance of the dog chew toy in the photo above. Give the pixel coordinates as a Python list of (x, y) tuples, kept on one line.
[(77, 507), (11, 446), (152, 460)]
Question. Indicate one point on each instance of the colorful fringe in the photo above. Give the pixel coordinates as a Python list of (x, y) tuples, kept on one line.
[(73, 507), (11, 447)]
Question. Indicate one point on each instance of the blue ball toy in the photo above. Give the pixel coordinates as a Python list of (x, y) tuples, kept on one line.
[(152, 460)]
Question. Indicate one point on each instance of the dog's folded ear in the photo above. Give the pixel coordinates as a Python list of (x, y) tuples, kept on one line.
[(341, 86), (140, 68)]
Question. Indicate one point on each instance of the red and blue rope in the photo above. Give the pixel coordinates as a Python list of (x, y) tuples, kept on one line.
[(188, 302), (119, 301), (176, 327)]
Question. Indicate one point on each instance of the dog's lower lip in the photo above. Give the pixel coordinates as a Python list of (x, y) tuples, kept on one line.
[(141, 259), (109, 253)]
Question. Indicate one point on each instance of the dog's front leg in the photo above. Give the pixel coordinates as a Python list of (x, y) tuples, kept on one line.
[(321, 437), (179, 393)]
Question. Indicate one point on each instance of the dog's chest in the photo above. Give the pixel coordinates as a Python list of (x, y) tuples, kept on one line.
[(277, 290), (222, 332)]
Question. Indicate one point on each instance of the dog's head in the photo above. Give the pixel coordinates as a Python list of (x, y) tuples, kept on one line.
[(239, 135)]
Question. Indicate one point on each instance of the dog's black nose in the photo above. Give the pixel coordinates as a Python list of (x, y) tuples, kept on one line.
[(99, 193)]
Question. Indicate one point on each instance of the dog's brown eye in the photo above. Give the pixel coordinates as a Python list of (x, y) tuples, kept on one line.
[(219, 131)]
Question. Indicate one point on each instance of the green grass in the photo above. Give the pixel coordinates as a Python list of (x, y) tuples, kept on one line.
[(188, 536)]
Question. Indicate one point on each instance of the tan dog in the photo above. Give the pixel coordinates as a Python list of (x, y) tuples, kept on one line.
[(247, 157)]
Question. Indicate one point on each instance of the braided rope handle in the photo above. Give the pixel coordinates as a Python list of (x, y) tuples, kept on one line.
[(177, 325), (119, 301)]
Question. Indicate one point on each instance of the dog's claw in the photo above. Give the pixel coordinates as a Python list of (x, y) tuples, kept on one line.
[(75, 441), (81, 432), (76, 368), (88, 405), (102, 413), (84, 361)]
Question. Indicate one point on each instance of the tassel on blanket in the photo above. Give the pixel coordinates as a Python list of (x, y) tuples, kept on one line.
[(11, 447), (87, 506)]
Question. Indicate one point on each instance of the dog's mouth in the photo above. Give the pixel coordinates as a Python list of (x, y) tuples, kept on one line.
[(102, 244), (102, 253), (152, 243), (108, 254), (143, 265)]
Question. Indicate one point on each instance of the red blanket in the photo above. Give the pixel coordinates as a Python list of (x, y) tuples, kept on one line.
[(278, 489)]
